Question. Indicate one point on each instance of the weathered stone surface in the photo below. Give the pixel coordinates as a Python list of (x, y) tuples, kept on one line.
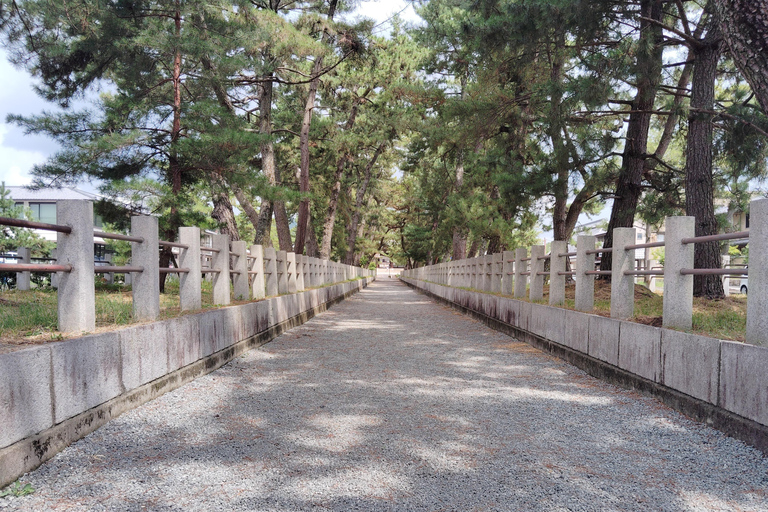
[(144, 353), (744, 380), (25, 394), (86, 373), (555, 324), (640, 349), (183, 342), (576, 331), (690, 364), (604, 339), (524, 315), (539, 316)]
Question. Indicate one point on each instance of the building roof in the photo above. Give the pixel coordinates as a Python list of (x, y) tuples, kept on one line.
[(49, 194)]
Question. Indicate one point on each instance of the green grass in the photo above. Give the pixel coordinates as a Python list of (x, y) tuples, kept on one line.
[(31, 316)]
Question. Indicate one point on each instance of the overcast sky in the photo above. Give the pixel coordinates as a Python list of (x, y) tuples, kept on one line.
[(19, 152)]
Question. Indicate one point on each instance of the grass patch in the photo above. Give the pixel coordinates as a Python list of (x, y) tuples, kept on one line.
[(30, 317), (725, 319)]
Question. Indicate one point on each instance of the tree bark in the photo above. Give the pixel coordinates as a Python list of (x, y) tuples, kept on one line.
[(699, 188), (333, 200), (744, 26), (264, 224), (224, 214), (361, 190), (648, 77), (303, 217), (282, 223)]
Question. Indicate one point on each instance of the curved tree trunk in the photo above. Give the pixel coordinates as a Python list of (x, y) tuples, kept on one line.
[(303, 217), (699, 189), (361, 190), (648, 77), (224, 214), (744, 26)]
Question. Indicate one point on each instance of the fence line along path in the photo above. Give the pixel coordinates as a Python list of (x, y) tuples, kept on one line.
[(390, 401)]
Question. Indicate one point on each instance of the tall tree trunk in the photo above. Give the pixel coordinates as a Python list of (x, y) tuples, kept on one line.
[(224, 214), (744, 26), (648, 77), (282, 223), (352, 236), (699, 188), (174, 166), (473, 248), (313, 249), (333, 200), (303, 218), (264, 225), (459, 242)]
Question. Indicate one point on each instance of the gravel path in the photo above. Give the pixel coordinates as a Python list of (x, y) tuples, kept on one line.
[(390, 401)]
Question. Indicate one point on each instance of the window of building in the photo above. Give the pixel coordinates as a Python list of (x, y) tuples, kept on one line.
[(747, 222)]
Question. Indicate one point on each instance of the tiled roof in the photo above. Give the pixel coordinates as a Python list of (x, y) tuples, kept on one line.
[(49, 194)]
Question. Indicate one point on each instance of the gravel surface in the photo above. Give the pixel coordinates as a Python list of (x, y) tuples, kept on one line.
[(390, 401)]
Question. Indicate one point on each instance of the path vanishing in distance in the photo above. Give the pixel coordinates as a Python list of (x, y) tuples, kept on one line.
[(390, 401)]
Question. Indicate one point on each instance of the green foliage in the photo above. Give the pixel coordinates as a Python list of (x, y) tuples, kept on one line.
[(17, 489)]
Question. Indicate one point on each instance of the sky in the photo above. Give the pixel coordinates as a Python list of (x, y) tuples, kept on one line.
[(19, 153)]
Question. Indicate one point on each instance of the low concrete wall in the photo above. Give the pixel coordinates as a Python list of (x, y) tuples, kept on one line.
[(52, 395), (722, 383)]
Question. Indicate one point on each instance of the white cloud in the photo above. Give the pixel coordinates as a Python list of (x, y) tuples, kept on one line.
[(16, 164)]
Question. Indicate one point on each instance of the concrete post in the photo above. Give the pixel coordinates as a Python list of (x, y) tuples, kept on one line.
[(257, 255), (521, 281), (282, 272), (221, 292), (190, 283), (270, 271), (300, 272), (109, 277), (507, 276), (24, 279), (623, 287), (757, 298), (241, 281), (496, 274), (678, 288), (312, 283), (290, 265), (473, 273), (585, 284), (55, 275), (146, 285), (76, 293), (556, 281), (537, 265)]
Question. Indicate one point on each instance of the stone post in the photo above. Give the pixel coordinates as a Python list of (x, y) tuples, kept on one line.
[(556, 281), (190, 283), (282, 272), (496, 274), (507, 275), (241, 281), (221, 292), (726, 279), (270, 271), (757, 298), (109, 277), (146, 285), (292, 268), (585, 283), (257, 258), (76, 293), (622, 286), (537, 265), (55, 275), (300, 272), (521, 281), (24, 279)]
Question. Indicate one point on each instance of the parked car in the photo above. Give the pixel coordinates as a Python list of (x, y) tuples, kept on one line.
[(744, 285)]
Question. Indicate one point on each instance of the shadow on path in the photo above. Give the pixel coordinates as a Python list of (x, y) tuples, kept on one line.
[(390, 401)]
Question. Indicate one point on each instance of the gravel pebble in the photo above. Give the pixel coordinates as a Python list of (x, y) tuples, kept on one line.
[(390, 401)]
